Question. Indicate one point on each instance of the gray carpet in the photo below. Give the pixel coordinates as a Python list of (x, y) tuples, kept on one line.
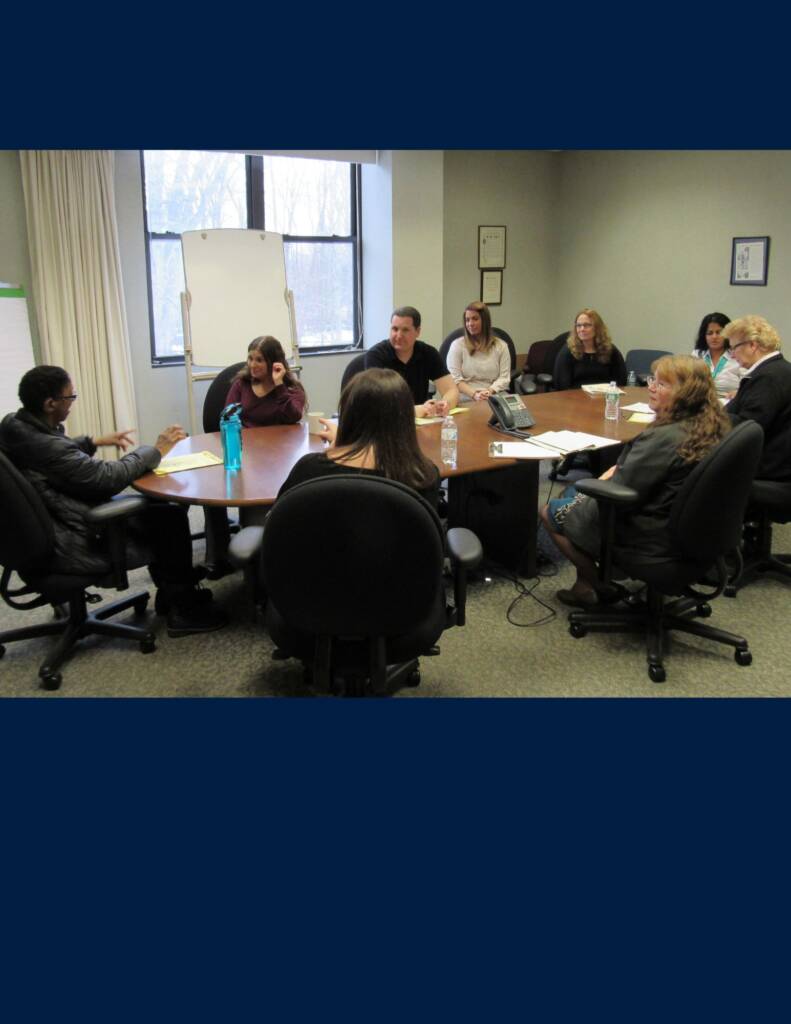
[(503, 651)]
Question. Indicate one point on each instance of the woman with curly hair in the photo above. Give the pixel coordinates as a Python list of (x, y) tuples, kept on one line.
[(589, 356), (689, 422), (479, 361)]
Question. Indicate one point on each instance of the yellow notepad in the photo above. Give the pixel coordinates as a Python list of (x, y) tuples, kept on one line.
[(179, 462)]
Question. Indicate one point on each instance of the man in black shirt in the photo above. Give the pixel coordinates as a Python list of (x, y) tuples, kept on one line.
[(417, 362)]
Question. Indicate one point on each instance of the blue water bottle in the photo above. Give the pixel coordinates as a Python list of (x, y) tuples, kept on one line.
[(231, 433)]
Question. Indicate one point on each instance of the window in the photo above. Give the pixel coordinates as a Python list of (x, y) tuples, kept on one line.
[(314, 204)]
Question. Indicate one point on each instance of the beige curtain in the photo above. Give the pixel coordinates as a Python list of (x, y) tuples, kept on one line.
[(73, 238)]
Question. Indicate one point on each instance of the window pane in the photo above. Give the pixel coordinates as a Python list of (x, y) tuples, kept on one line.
[(188, 190), (167, 283), (320, 274), (307, 197)]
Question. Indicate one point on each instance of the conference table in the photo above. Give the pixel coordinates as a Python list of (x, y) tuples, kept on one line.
[(496, 497)]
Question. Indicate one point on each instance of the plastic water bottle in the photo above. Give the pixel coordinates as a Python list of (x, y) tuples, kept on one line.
[(631, 379), (231, 434), (612, 401), (449, 442)]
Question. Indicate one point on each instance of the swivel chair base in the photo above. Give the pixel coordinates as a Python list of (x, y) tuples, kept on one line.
[(654, 617), (78, 624)]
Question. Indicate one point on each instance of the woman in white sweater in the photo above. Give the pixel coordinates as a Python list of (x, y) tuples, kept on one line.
[(479, 361)]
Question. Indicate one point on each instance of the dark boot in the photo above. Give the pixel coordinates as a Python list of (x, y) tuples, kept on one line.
[(189, 613)]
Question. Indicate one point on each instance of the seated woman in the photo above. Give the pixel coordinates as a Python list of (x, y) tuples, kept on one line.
[(375, 434), (714, 350), (689, 421), (589, 356), (479, 361), (268, 391)]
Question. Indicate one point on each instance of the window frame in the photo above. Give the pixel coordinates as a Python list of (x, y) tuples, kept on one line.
[(254, 175)]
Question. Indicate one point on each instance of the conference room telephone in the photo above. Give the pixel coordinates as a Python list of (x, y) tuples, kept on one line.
[(509, 412)]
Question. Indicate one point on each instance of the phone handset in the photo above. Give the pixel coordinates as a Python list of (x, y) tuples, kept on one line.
[(502, 414)]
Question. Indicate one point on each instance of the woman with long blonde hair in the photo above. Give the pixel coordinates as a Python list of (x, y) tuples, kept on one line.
[(589, 356), (479, 361), (689, 422)]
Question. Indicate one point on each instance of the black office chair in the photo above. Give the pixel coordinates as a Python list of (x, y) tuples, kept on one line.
[(214, 402), (504, 335), (353, 367), (640, 360), (217, 526), (705, 525), (538, 372), (769, 502), (27, 542), (352, 566)]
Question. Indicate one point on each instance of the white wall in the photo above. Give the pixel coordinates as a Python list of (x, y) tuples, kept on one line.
[(645, 238), (520, 190)]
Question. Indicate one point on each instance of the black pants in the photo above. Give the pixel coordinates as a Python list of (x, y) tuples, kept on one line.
[(164, 530)]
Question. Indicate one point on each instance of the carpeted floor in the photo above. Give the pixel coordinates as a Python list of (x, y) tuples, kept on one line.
[(512, 646)]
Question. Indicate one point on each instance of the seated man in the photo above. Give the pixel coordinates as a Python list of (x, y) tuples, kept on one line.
[(416, 362), (69, 481), (764, 393)]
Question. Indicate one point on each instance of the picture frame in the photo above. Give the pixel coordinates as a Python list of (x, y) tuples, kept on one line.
[(492, 287), (491, 246), (750, 260)]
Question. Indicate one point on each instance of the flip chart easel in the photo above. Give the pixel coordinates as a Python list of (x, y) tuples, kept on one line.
[(16, 347), (236, 290)]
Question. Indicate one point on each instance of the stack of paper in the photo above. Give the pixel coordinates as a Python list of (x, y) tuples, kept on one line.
[(599, 389), (178, 463), (552, 444)]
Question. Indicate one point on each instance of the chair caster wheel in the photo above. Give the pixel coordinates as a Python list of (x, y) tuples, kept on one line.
[(413, 679), (140, 605), (730, 591), (148, 645), (2, 650), (656, 673), (51, 681), (703, 611), (743, 657), (577, 631)]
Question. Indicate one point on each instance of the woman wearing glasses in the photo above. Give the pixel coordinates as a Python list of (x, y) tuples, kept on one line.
[(589, 356), (714, 350), (689, 421)]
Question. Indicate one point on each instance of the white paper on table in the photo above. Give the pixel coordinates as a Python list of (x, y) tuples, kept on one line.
[(599, 389), (638, 407)]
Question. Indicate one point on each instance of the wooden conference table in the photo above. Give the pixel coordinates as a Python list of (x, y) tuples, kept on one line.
[(498, 498)]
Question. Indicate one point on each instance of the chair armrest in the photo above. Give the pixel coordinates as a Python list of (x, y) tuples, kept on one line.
[(608, 490), (115, 508), (111, 517), (245, 545), (464, 547), (525, 384), (546, 379)]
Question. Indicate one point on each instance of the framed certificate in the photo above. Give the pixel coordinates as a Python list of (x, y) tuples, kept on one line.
[(492, 287), (750, 260), (491, 246)]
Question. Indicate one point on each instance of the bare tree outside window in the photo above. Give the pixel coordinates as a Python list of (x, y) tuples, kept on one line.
[(309, 202)]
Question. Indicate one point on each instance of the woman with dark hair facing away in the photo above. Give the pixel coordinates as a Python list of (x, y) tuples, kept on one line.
[(714, 350), (375, 434), (589, 356), (689, 422), (479, 361), (268, 391)]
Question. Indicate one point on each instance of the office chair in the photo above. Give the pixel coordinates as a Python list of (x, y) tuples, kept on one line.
[(27, 542), (352, 566), (538, 371), (769, 502), (705, 526), (640, 360), (217, 526), (353, 367)]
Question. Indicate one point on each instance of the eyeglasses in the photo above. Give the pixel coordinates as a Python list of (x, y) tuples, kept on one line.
[(739, 345), (653, 382), (67, 398)]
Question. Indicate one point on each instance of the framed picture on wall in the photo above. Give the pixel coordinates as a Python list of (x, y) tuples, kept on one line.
[(750, 260), (492, 287), (491, 246)]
